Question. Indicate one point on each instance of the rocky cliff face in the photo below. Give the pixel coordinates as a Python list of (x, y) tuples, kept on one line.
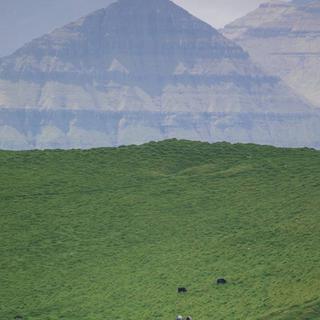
[(22, 129), (284, 38), (143, 70)]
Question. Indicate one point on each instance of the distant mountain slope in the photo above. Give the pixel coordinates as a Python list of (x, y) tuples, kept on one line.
[(111, 233), (151, 71), (139, 55), (284, 38), (21, 20)]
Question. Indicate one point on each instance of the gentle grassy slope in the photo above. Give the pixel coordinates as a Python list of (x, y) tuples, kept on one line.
[(111, 233)]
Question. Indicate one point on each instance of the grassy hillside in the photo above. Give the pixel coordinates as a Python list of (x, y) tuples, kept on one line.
[(111, 233)]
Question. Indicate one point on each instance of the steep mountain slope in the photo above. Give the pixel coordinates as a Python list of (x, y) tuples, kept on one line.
[(111, 233), (146, 70), (21, 21), (135, 55), (284, 38)]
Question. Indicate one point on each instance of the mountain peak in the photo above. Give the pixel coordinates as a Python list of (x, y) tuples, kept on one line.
[(142, 70), (147, 38), (145, 3), (285, 41)]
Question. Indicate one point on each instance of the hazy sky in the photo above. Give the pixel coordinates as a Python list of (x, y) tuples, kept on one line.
[(219, 12), (23, 20)]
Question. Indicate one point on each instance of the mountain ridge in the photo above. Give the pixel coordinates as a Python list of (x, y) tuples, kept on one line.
[(284, 39), (150, 59)]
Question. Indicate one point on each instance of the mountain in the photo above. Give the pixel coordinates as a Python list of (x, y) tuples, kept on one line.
[(33, 18), (143, 70), (109, 234), (284, 38)]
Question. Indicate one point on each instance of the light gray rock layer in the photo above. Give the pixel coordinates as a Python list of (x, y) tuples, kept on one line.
[(34, 129), (143, 70), (284, 38)]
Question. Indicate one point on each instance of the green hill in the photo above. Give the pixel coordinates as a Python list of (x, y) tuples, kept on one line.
[(111, 233)]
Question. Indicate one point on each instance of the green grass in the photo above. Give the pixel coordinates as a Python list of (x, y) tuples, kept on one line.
[(111, 233)]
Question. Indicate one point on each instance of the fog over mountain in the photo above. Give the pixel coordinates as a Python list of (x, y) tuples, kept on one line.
[(284, 38), (144, 70)]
